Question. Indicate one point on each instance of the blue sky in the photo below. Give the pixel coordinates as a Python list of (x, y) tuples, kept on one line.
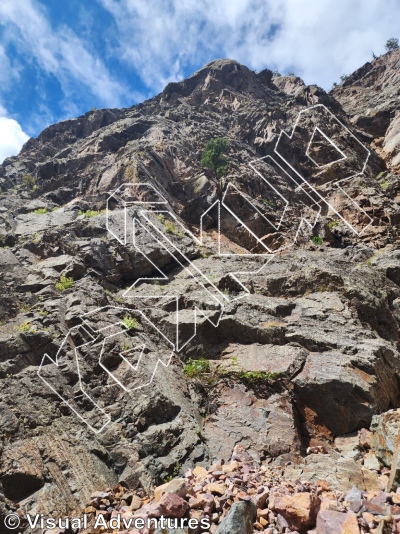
[(61, 58)]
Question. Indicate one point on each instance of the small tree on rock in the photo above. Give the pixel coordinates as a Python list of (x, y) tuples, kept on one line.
[(214, 156), (392, 44)]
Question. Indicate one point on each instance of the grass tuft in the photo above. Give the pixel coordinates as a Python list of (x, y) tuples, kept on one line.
[(130, 322), (64, 283), (317, 240), (196, 367)]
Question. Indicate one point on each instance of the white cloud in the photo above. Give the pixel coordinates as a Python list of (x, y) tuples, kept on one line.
[(318, 40), (162, 41), (61, 53), (7, 73), (11, 136)]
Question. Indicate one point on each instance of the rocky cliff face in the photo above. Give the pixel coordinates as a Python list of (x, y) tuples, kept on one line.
[(298, 323), (370, 97)]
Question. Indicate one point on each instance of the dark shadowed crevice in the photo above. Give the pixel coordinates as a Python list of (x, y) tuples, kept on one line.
[(20, 485)]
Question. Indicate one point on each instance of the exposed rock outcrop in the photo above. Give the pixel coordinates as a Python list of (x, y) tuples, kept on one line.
[(309, 355)]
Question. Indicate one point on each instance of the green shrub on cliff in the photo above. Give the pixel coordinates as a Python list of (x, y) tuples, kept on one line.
[(392, 44), (214, 156), (196, 367), (64, 283)]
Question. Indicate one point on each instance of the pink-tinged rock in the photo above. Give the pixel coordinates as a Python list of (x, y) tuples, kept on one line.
[(371, 461), (331, 522), (230, 468), (365, 438), (261, 498), (200, 471), (178, 486), (219, 489), (299, 510), (205, 501), (240, 454), (160, 491), (189, 474), (100, 495), (170, 505), (104, 513), (376, 508), (194, 503), (136, 503)]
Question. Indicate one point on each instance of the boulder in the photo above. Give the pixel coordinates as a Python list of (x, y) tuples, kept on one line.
[(239, 520), (340, 473), (299, 510), (348, 446), (371, 461), (332, 522), (265, 426), (385, 439), (335, 376), (177, 485), (170, 505)]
